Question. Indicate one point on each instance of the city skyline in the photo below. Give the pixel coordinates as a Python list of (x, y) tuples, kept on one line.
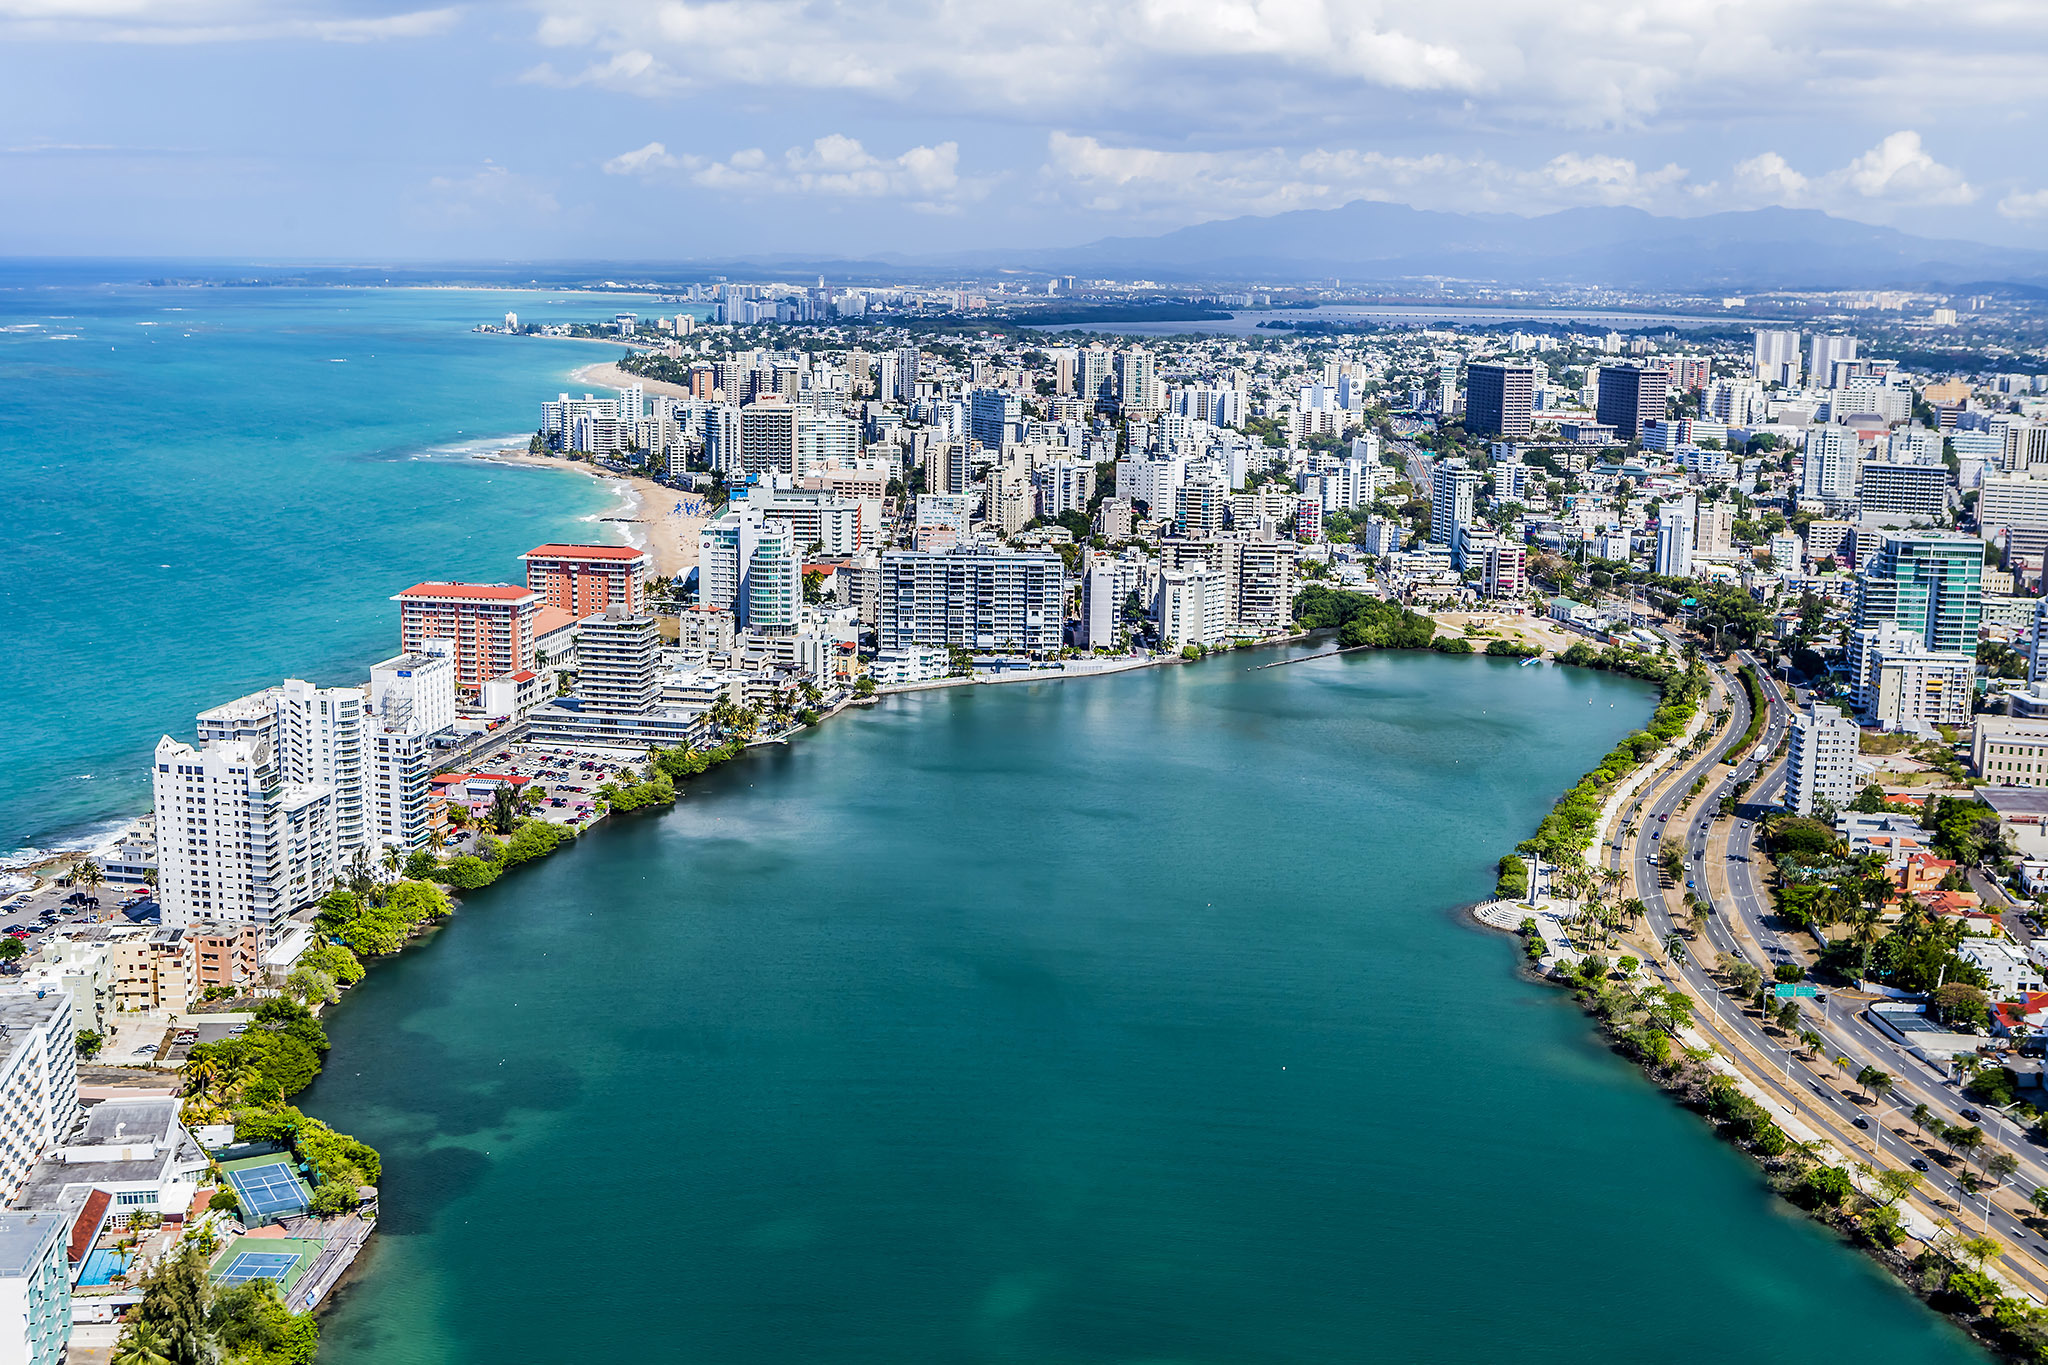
[(624, 130)]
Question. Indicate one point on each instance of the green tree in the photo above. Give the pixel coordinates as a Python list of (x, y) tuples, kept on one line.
[(174, 1306), (1876, 1084), (90, 1041), (140, 1343)]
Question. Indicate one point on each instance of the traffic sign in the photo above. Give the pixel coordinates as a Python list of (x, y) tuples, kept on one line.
[(1790, 992)]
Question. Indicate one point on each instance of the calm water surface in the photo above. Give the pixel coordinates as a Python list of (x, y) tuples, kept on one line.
[(1109, 1021)]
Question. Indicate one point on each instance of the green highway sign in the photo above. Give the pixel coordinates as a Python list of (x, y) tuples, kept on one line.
[(1786, 992)]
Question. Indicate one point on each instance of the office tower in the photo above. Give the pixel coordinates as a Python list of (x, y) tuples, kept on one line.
[(1777, 358), (583, 580), (1821, 758), (1630, 396), (1929, 585), (490, 624), (1500, 399)]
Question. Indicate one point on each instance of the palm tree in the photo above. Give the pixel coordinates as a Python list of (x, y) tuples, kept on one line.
[(88, 875), (1674, 948), (392, 861), (141, 1344)]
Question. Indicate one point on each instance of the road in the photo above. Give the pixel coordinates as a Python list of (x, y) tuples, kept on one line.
[(1808, 1089)]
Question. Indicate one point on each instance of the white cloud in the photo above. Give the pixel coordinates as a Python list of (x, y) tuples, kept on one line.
[(1897, 173), (2024, 204), (834, 166), (216, 21), (488, 193), (1183, 186)]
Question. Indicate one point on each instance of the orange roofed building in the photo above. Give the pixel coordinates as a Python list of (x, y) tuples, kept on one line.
[(490, 624), (584, 580)]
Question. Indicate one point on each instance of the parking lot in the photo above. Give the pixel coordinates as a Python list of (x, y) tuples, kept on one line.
[(567, 777), (35, 916)]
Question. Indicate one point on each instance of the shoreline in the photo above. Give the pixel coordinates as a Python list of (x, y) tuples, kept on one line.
[(669, 536), (607, 375)]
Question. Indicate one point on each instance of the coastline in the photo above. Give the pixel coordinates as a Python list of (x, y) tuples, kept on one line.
[(669, 535), (608, 375)]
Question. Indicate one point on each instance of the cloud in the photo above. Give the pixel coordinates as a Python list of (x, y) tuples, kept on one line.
[(1897, 173), (215, 21), (488, 193), (2024, 204), (834, 166), (1183, 186)]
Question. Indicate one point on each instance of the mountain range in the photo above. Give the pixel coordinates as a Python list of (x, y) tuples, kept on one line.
[(1754, 249)]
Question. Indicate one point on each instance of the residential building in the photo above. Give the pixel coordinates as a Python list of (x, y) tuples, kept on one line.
[(1822, 759), (1674, 540), (1829, 466), (618, 663), (1929, 584), (1505, 575), (752, 567), (994, 417), (583, 580), (490, 625), (2008, 502), (38, 1082), (1102, 601), (1776, 358), (1453, 495), (973, 599), (820, 520), (410, 704), (35, 1287), (1500, 398), (1192, 608), (941, 520), (317, 734)]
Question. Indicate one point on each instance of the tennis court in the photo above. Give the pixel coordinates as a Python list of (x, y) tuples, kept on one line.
[(256, 1265), (267, 1189)]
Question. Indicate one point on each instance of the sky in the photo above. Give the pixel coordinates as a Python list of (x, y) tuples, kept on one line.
[(706, 129)]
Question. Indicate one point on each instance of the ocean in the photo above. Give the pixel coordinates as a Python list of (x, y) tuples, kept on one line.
[(210, 489), (1127, 1019)]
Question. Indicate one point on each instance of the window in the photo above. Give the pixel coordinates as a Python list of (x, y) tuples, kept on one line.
[(130, 1198)]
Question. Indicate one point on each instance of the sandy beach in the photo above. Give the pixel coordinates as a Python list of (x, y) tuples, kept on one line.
[(651, 516), (610, 376)]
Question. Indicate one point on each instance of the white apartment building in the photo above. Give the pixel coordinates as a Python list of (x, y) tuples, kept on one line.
[(1674, 541), (2007, 501), (35, 1287), (820, 518), (411, 702), (752, 567), (972, 599), (1063, 486), (1505, 573), (1917, 491), (316, 736), (940, 521), (1822, 759), (236, 842), (1453, 495), (38, 1081), (1829, 465), (1193, 606)]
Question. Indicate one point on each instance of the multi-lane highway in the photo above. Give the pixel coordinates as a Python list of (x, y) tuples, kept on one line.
[(1739, 926)]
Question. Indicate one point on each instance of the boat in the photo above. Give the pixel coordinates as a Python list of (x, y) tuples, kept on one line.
[(1534, 659)]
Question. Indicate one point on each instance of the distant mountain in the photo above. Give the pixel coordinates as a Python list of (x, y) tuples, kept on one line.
[(1624, 247)]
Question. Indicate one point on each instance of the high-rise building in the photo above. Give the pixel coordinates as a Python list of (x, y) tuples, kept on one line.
[(1102, 600), (1192, 606), (1830, 465), (35, 1280), (1931, 585), (1777, 358), (972, 599), (411, 700), (317, 738), (752, 567), (769, 440), (490, 624), (1674, 540), (618, 657), (1821, 759), (1630, 396), (583, 580), (1453, 497), (1500, 399), (993, 415), (1823, 352), (1505, 573), (1201, 505), (1136, 379), (1908, 490), (907, 359)]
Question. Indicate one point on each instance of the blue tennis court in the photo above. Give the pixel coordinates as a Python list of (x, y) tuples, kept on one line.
[(256, 1265), (268, 1191)]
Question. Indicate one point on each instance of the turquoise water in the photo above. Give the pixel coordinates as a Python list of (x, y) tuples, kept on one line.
[(1108, 1021), (208, 489), (101, 1266)]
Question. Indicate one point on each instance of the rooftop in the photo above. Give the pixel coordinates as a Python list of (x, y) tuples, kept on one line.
[(622, 553), (466, 592), (24, 1237)]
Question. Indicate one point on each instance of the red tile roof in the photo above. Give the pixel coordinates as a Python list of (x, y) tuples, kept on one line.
[(468, 592), (622, 553), (548, 620), (86, 1227)]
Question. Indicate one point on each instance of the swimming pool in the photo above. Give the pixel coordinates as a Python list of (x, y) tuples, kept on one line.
[(102, 1266)]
